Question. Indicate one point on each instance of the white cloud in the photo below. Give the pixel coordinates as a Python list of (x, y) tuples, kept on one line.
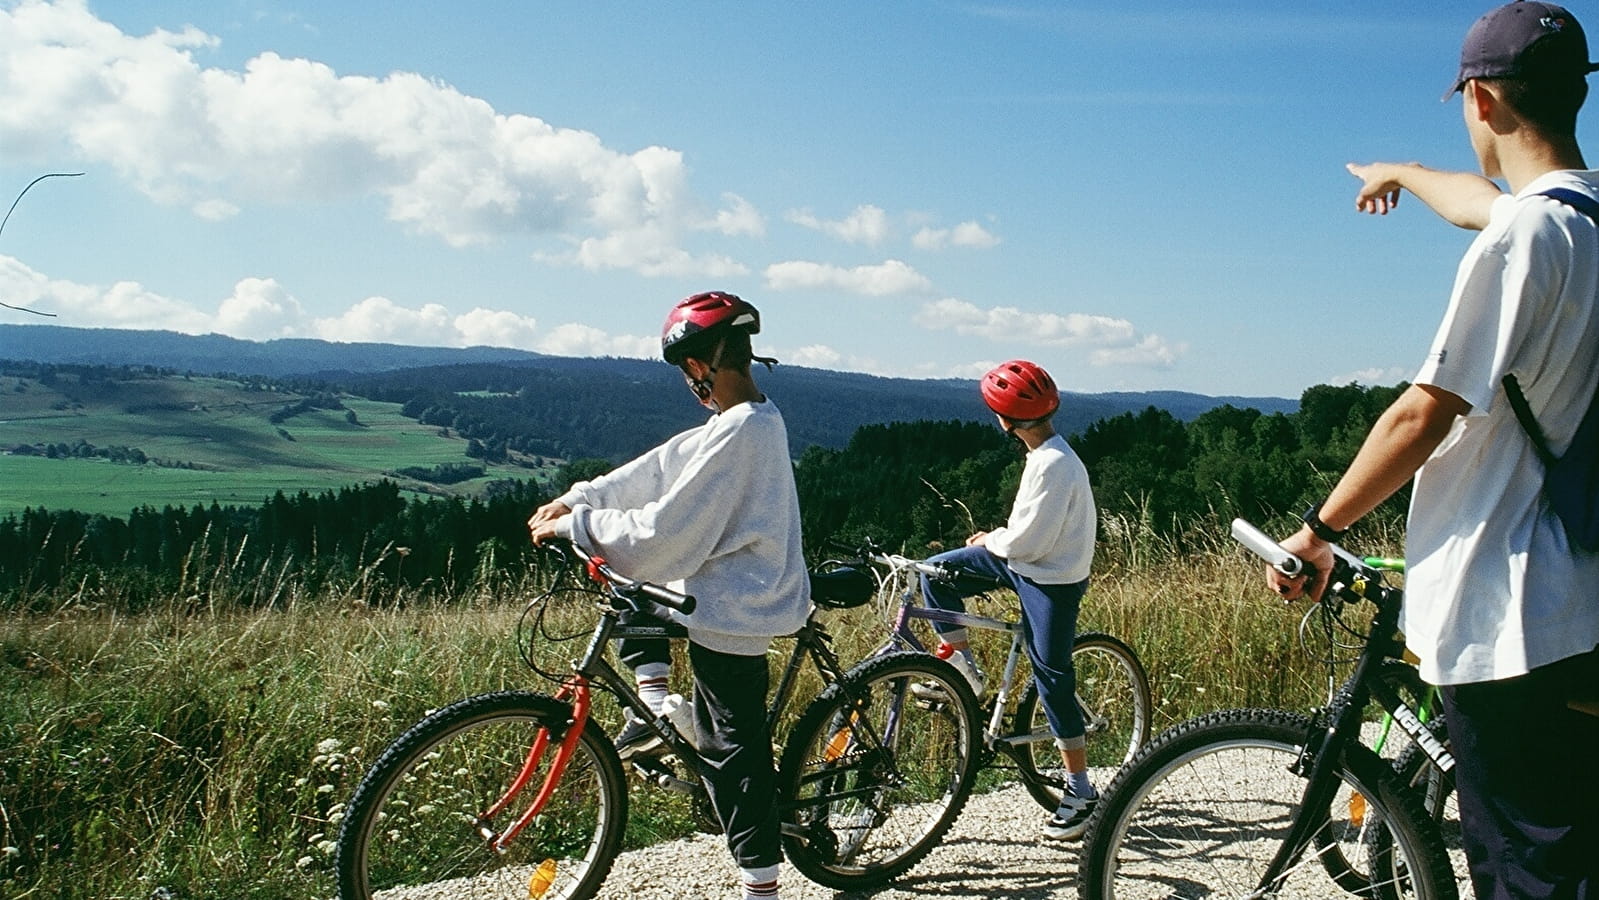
[(816, 356), (293, 130), (738, 217), (1150, 350), (575, 339), (1110, 341), (125, 304), (259, 309), (966, 234), (865, 225), (649, 251), (1375, 376), (495, 328), (888, 277), (381, 320)]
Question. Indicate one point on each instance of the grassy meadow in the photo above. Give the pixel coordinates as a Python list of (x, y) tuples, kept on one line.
[(206, 751), (216, 443)]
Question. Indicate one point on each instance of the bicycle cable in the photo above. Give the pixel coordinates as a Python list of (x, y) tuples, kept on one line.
[(533, 625)]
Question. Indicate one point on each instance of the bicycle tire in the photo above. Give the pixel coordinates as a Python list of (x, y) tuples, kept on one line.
[(411, 830), (1406, 681), (862, 805), (1203, 808), (1113, 694), (1436, 789)]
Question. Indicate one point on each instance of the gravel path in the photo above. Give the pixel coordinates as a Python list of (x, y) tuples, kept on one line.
[(995, 849)]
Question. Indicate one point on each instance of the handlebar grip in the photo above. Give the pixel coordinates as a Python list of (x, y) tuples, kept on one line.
[(683, 603), (1268, 549)]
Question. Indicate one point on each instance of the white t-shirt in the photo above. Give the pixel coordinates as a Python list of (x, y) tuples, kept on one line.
[(1493, 588), (1049, 536)]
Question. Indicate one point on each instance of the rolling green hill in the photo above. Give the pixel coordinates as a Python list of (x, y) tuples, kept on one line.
[(106, 420), (109, 444)]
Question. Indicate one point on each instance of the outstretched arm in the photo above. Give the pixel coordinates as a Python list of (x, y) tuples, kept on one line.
[(1402, 439), (1460, 198)]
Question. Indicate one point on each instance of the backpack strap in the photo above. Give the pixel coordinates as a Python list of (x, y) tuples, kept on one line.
[(1577, 200), (1589, 207), (1529, 423)]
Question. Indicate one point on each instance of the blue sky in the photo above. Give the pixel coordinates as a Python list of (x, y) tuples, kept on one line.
[(1139, 198)]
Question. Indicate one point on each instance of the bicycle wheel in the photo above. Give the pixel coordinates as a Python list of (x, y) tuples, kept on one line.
[(1113, 694), (1202, 810), (413, 829), (1436, 788), (876, 769), (1404, 680)]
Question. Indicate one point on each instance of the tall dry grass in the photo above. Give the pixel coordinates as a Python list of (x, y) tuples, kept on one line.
[(198, 750)]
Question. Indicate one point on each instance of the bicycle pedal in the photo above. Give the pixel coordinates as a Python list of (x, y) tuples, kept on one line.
[(650, 768)]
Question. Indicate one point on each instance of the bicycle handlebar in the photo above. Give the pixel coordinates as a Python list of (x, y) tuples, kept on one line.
[(1285, 562), (1269, 550), (629, 589), (870, 552)]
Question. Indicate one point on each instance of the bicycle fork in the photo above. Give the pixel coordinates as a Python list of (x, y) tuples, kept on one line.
[(575, 690)]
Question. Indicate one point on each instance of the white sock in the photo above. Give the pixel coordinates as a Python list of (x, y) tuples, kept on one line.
[(760, 884), (651, 679)]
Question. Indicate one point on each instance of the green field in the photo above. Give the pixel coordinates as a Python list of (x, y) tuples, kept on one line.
[(214, 441)]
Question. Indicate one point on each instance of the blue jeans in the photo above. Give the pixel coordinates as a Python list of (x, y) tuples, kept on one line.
[(1049, 628)]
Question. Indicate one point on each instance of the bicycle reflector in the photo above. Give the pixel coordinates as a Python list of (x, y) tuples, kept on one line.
[(843, 587)]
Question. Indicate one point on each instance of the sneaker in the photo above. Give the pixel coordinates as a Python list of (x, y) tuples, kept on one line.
[(637, 739), (1071, 817), (927, 690), (974, 675)]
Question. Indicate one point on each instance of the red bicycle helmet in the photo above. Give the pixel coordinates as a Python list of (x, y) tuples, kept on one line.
[(1020, 390), (694, 320)]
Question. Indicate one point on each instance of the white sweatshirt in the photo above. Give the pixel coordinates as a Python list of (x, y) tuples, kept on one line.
[(712, 512), (1050, 534)]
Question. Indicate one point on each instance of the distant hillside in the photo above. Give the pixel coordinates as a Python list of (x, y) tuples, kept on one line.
[(211, 354), (102, 439), (575, 406)]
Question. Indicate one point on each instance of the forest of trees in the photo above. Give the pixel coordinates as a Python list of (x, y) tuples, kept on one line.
[(907, 485), (921, 484)]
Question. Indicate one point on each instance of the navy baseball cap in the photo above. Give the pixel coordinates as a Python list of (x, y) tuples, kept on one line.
[(1497, 44)]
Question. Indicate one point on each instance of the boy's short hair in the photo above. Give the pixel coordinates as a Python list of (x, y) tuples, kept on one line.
[(736, 353), (1547, 103)]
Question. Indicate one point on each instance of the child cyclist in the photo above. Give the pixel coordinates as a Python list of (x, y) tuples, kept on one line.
[(1044, 551), (712, 512)]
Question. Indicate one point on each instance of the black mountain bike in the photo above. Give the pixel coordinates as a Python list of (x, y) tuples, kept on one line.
[(1271, 803), (515, 794)]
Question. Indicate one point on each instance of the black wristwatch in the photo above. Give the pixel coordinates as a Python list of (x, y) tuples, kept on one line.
[(1312, 518)]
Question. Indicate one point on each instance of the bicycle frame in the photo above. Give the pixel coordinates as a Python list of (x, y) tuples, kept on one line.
[(593, 668), (1322, 754), (904, 637)]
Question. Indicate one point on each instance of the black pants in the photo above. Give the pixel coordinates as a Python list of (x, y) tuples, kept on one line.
[(734, 743), (1527, 774)]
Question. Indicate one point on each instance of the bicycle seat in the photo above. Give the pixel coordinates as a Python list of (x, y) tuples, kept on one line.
[(842, 587)]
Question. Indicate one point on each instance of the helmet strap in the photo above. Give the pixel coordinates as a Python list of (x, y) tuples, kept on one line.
[(703, 387)]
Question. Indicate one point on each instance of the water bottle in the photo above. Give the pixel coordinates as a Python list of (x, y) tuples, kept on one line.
[(681, 715)]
